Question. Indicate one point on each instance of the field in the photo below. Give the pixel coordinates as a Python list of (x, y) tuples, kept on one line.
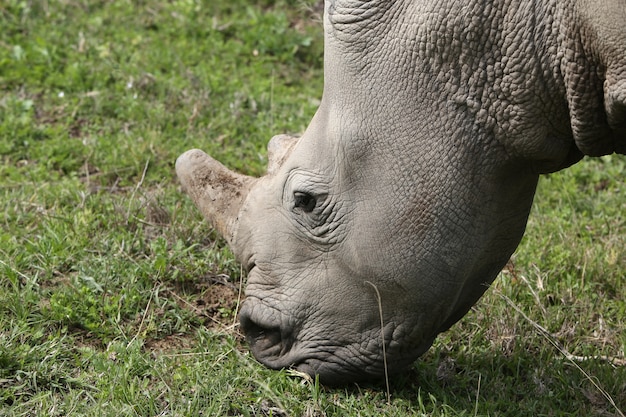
[(116, 299)]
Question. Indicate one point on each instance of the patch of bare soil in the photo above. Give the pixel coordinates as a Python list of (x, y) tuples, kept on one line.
[(170, 343), (212, 297)]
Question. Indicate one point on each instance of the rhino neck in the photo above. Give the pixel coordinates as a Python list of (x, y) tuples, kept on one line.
[(524, 72)]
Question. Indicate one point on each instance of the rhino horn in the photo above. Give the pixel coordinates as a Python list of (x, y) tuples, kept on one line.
[(217, 191)]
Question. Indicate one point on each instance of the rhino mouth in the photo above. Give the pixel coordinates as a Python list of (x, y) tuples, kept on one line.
[(273, 344), (277, 346)]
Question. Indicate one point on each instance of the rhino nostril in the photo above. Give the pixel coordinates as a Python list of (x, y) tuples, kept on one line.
[(263, 340)]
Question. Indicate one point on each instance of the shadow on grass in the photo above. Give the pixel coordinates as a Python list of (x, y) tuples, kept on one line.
[(525, 383)]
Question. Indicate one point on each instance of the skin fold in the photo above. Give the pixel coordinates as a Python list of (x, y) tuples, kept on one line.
[(415, 178)]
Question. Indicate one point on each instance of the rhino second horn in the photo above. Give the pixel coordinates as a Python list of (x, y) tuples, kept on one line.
[(278, 150), (217, 191)]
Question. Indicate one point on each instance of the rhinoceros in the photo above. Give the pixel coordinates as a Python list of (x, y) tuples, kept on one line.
[(389, 217)]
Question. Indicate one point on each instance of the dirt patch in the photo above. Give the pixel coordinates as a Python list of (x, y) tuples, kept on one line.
[(213, 300), (213, 297), (172, 343)]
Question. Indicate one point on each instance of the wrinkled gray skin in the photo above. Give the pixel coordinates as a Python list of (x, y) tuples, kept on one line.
[(416, 175)]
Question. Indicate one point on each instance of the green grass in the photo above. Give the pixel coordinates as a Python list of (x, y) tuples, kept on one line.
[(116, 299)]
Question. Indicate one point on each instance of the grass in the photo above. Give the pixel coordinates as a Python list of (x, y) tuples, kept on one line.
[(116, 299)]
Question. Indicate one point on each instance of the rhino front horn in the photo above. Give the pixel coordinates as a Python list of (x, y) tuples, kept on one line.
[(217, 191)]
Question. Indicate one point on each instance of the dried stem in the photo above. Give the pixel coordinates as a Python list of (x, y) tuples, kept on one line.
[(382, 336)]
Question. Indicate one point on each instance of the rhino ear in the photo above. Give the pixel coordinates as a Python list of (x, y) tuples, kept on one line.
[(278, 150), (218, 192), (596, 85)]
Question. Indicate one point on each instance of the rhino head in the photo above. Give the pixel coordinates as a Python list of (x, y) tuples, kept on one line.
[(384, 223)]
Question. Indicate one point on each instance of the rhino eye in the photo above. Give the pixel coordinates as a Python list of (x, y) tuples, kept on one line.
[(304, 201)]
